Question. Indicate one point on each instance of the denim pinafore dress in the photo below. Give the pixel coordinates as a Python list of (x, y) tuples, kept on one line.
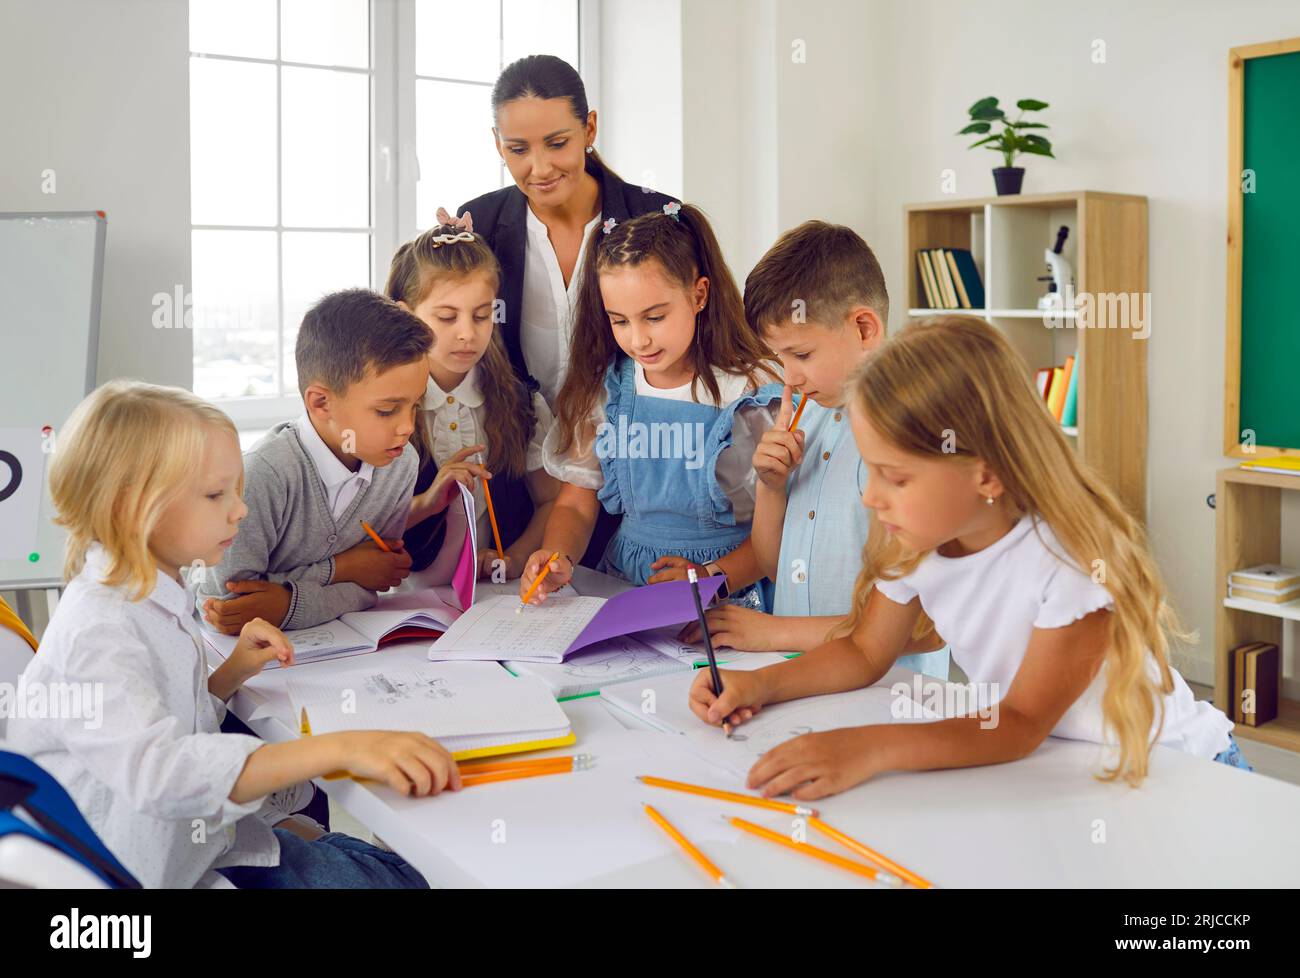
[(659, 459)]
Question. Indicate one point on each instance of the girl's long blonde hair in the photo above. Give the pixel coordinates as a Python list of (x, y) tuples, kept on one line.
[(956, 378), (125, 453)]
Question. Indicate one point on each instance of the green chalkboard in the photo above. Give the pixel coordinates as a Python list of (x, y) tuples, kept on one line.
[(1270, 259)]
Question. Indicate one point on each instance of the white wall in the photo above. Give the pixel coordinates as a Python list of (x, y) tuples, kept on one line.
[(98, 92)]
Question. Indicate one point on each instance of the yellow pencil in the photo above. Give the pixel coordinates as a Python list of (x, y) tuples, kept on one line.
[(825, 855), (851, 843), (798, 413), (732, 796), (492, 517), (537, 583), (383, 546), (690, 850)]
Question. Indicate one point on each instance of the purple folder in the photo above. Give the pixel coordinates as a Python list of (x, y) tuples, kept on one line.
[(648, 606)]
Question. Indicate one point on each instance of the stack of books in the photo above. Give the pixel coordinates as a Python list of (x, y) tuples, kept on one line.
[(949, 278), (1059, 387), (1270, 583)]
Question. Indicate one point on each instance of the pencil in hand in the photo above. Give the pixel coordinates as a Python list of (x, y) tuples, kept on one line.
[(708, 641), (375, 536), (537, 583)]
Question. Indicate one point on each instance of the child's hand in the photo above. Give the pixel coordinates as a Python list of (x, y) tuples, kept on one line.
[(257, 599), (465, 222), (409, 763), (458, 468), (259, 643), (487, 564), (365, 564), (743, 695), (817, 764), (779, 450), (560, 575), (673, 568), (735, 627)]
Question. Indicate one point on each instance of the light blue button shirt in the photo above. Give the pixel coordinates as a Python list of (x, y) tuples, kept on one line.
[(826, 528)]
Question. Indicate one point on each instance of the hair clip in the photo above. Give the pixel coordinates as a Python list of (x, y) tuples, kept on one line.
[(608, 225), (671, 209), (442, 239)]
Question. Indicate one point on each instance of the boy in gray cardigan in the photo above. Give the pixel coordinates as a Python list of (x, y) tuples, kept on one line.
[(302, 556)]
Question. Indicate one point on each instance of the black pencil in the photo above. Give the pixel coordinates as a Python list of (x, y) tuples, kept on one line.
[(708, 642)]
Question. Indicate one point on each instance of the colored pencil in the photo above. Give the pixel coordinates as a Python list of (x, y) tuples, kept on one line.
[(537, 583), (375, 536), (733, 796), (825, 855), (851, 843), (700, 858)]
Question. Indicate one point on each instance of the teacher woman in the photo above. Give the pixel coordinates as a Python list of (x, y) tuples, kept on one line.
[(538, 228)]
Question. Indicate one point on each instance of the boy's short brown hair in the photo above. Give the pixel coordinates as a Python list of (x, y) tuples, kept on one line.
[(347, 333), (815, 273)]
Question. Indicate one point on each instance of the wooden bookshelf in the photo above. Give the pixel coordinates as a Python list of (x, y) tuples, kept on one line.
[(1248, 527), (1107, 248)]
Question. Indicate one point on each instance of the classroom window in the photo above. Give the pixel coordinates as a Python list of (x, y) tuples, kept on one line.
[(323, 133), (280, 156), (460, 48)]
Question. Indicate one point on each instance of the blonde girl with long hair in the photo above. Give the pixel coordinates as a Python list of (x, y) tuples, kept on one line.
[(984, 519), (147, 481)]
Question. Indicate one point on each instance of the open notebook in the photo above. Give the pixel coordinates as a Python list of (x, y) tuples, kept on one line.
[(422, 607), (474, 709), (644, 655), (664, 704), (496, 628)]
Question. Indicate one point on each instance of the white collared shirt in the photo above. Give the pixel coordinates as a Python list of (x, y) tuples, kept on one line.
[(341, 483), (146, 764), (547, 316), (456, 421)]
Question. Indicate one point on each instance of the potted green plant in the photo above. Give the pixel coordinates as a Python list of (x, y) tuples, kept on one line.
[(1010, 141)]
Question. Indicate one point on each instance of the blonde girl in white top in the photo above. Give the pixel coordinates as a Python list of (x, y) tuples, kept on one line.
[(147, 481), (984, 519)]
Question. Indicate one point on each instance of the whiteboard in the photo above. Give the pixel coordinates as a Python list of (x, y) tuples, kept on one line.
[(51, 278)]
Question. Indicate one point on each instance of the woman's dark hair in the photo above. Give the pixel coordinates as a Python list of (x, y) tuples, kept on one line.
[(416, 267), (544, 76), (685, 248)]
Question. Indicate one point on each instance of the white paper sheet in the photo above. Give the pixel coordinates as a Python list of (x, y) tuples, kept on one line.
[(492, 630)]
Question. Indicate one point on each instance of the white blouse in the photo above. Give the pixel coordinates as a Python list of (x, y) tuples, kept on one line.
[(579, 465), (547, 316), (149, 768), (456, 421)]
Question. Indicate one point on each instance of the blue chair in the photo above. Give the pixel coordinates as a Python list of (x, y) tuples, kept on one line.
[(53, 822)]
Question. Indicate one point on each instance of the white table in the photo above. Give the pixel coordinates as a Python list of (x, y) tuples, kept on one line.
[(1042, 821)]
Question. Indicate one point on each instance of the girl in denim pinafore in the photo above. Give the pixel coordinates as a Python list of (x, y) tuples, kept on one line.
[(672, 505), (646, 423)]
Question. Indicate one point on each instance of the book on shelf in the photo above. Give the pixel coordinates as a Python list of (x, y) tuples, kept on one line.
[(1280, 464), (1267, 597), (1266, 577), (949, 278), (1254, 679)]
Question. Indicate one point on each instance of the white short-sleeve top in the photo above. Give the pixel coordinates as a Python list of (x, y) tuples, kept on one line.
[(987, 604)]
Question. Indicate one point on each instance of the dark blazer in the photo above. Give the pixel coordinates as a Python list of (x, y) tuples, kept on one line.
[(501, 219)]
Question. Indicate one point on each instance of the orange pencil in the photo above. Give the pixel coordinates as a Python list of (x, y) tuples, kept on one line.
[(825, 855), (851, 843), (492, 516), (469, 780), (798, 412), (537, 583), (574, 762), (733, 796), (690, 850), (383, 546)]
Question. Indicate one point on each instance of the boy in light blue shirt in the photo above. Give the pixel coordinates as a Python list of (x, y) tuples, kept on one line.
[(818, 297)]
